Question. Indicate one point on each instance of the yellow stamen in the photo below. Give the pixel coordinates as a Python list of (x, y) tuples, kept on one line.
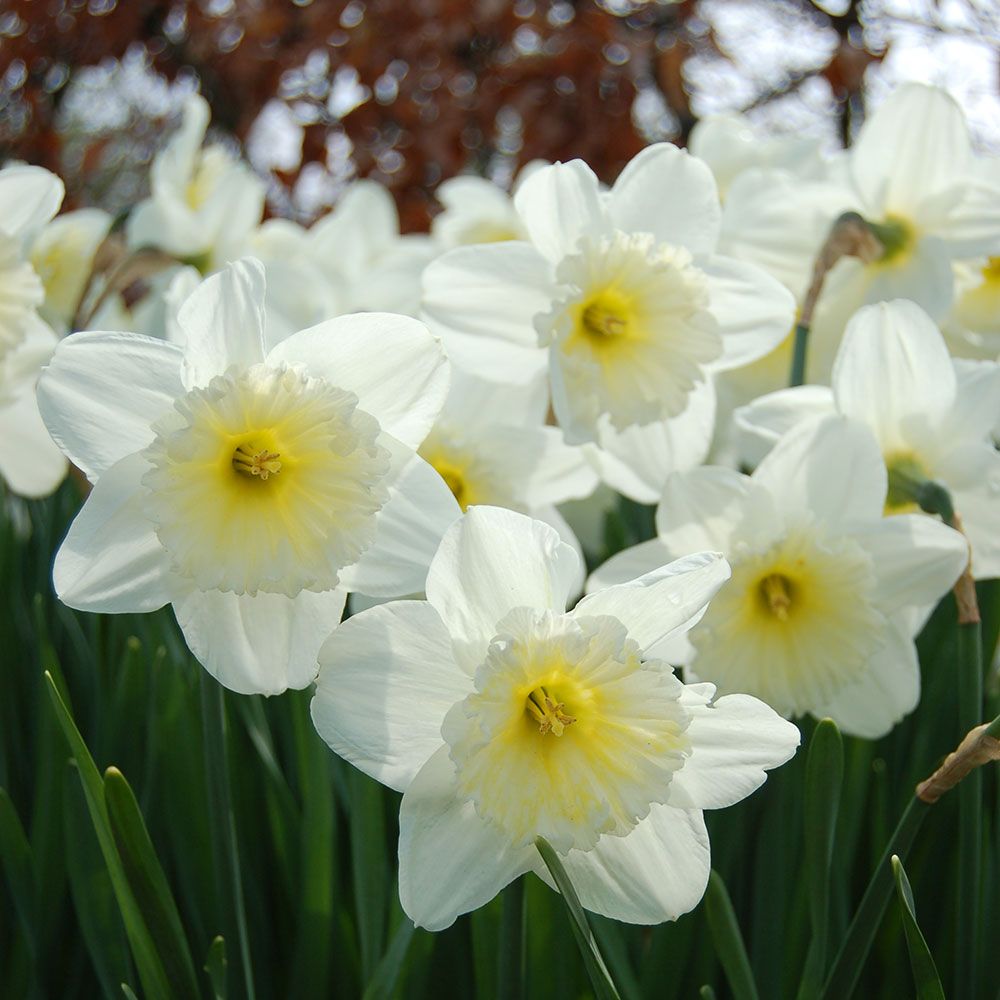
[(775, 591), (600, 321), (253, 462), (547, 712)]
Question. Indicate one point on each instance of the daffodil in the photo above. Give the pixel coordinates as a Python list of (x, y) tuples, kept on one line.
[(819, 614), (249, 488), (619, 295), (204, 202), (504, 718), (933, 418), (972, 328)]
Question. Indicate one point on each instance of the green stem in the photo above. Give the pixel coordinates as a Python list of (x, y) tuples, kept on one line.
[(224, 844), (511, 973), (970, 809), (597, 970), (858, 941), (800, 350)]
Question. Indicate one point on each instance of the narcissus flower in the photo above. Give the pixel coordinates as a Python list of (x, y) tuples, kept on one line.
[(249, 488), (619, 294), (819, 614), (503, 718), (933, 419)]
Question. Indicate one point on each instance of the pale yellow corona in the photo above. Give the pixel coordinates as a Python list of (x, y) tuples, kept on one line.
[(268, 480)]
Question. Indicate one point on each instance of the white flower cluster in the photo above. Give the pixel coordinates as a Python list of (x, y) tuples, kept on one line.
[(307, 413)]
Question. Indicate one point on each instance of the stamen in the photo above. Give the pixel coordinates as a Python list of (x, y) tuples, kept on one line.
[(256, 462), (775, 589), (547, 712), (599, 321)]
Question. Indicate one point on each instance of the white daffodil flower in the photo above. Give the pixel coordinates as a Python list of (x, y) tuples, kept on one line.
[(31, 463), (29, 197), (620, 294), (204, 202), (819, 614), (63, 256), (249, 488), (503, 718), (933, 419), (972, 328)]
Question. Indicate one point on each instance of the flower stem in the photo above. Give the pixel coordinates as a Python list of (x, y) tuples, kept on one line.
[(597, 970), (225, 848), (511, 973)]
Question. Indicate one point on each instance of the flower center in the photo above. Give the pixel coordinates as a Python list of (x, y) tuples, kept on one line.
[(248, 461), (547, 712), (471, 469), (603, 318), (906, 475), (619, 723), (897, 237), (776, 592), (991, 271), (272, 455)]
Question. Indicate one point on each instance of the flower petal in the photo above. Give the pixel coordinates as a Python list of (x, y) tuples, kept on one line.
[(450, 860), (762, 423), (629, 564), (735, 742), (663, 603), (655, 873), (410, 526), (223, 322), (101, 392), (398, 371), (111, 559), (665, 191), (30, 461), (387, 678), (29, 197), (489, 562), (258, 645), (559, 204)]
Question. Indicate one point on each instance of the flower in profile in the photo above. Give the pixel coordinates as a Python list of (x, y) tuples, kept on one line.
[(204, 202), (249, 488), (933, 418), (504, 718), (619, 294), (825, 593)]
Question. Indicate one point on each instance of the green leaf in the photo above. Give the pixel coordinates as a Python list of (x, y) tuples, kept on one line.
[(728, 940), (706, 993), (215, 966), (925, 974), (128, 992), (18, 868), (824, 776), (597, 970), (387, 972), (150, 967), (370, 868), (148, 883), (511, 981)]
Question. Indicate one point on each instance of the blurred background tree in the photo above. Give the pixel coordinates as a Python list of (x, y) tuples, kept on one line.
[(410, 92)]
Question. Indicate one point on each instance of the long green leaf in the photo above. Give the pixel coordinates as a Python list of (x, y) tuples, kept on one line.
[(511, 981), (148, 883), (370, 867), (148, 963), (215, 966), (728, 940), (597, 970), (824, 776), (18, 868), (925, 974), (388, 969)]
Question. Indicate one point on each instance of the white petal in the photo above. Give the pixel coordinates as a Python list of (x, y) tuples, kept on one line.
[(551, 516), (914, 145), (916, 559), (976, 410), (387, 678), (223, 322), (893, 373), (392, 363), (362, 226), (760, 424), (258, 645), (887, 690), (830, 468), (754, 311), (111, 559), (101, 392), (491, 561), (410, 526), (735, 742), (475, 296), (29, 197), (971, 226), (665, 191), (558, 205), (30, 461), (664, 603), (925, 277), (450, 860), (655, 873), (629, 564), (638, 460)]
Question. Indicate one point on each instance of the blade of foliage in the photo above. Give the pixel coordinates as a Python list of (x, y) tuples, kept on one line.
[(728, 940), (597, 970), (388, 970), (18, 868), (511, 947), (925, 974), (370, 868), (215, 966)]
